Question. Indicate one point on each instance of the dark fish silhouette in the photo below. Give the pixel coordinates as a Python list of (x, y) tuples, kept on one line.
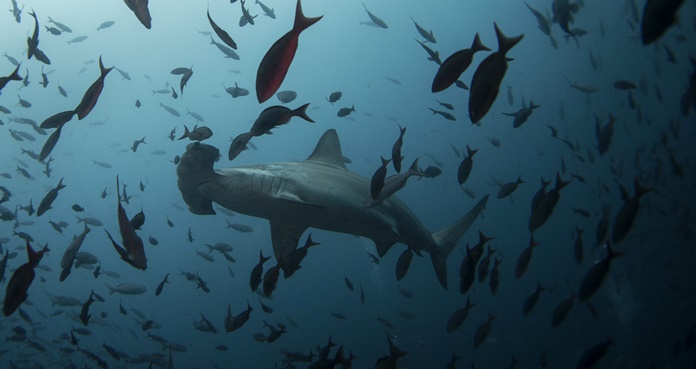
[(89, 100), (488, 77), (141, 11), (224, 36), (455, 65), (132, 251)]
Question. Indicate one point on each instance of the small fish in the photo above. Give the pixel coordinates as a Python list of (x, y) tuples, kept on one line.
[(445, 114), (376, 20), (224, 36), (396, 150), (286, 96), (77, 39), (276, 62), (453, 67), (482, 331), (466, 165), (255, 278), (488, 77), (89, 99), (508, 188), (106, 24), (335, 96), (344, 112), (158, 291), (377, 182), (170, 110)]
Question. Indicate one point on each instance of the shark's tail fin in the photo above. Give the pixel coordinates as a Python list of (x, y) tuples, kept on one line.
[(194, 169), (448, 238)]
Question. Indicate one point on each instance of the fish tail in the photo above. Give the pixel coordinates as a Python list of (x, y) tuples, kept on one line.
[(104, 71), (505, 43), (15, 75), (477, 45), (302, 22), (447, 239), (32, 255), (414, 170), (186, 133), (302, 113)]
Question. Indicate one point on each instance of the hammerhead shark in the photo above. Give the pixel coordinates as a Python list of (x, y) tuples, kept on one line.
[(319, 192)]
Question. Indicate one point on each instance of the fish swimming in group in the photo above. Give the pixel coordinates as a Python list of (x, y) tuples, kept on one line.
[(276, 62), (375, 19), (489, 75), (89, 100), (132, 251), (21, 280), (48, 200), (452, 68)]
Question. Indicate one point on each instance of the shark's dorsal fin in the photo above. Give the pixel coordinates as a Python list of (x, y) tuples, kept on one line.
[(328, 150)]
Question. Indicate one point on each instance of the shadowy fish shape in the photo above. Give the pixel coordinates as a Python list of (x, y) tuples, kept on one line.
[(89, 100), (141, 11), (17, 287), (132, 251), (488, 77), (275, 116), (51, 196), (658, 16), (224, 36), (453, 67)]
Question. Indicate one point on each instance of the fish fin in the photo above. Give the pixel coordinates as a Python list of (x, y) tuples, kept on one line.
[(477, 45), (448, 238), (121, 251), (505, 43), (328, 150), (302, 113), (383, 247), (302, 22), (285, 238)]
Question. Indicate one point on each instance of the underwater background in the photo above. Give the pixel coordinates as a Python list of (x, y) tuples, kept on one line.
[(645, 305)]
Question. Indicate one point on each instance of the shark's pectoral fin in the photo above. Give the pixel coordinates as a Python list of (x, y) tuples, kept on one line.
[(294, 198), (285, 238)]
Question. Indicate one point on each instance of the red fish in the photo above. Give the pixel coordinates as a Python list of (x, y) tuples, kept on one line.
[(132, 251), (89, 100), (274, 65), (21, 280)]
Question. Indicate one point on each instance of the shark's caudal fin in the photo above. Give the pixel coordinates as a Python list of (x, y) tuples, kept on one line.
[(194, 169), (449, 237)]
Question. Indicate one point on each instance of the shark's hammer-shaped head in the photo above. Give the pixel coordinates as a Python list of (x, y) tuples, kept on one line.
[(195, 169)]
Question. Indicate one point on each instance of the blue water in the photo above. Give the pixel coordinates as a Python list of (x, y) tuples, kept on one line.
[(645, 305)]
